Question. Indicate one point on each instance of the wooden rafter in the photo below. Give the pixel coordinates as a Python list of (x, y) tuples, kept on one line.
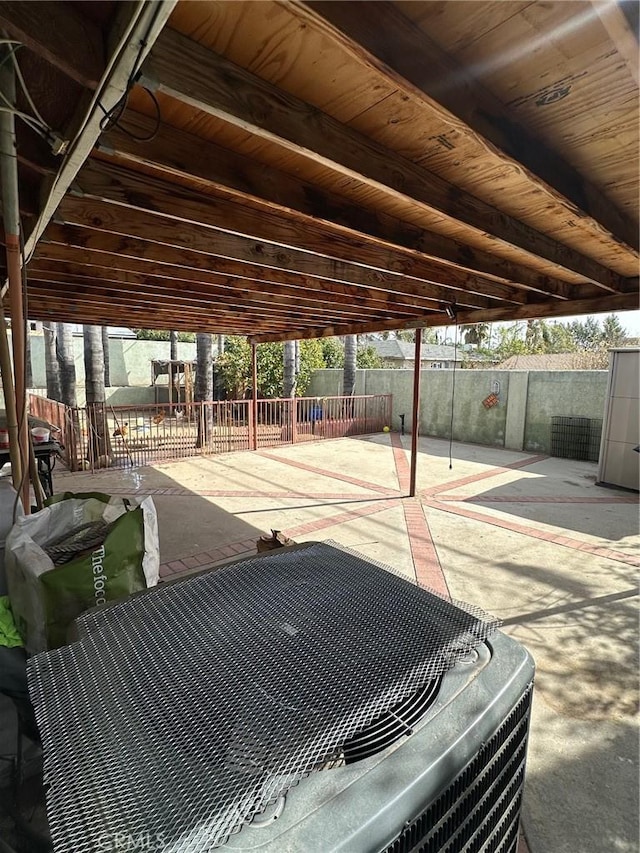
[(617, 302), (207, 81), (381, 37), (98, 248), (120, 219), (53, 30), (174, 154), (186, 292)]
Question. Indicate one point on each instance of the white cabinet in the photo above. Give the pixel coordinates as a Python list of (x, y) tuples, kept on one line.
[(619, 463)]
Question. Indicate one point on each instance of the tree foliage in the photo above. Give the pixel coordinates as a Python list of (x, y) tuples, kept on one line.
[(541, 336), (163, 335), (234, 365)]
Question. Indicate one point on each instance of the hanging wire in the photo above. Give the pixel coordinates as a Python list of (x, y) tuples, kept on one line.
[(35, 122), (23, 86), (453, 384), (112, 117)]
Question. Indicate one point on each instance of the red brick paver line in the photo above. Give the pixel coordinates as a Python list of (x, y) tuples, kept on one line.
[(539, 499), (236, 549), (342, 518), (234, 493), (426, 562), (374, 487), (534, 532), (403, 469), (484, 475)]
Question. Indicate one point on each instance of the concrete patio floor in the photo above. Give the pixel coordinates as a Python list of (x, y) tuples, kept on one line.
[(529, 538)]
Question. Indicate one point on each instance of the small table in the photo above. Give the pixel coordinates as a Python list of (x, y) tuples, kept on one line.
[(45, 454)]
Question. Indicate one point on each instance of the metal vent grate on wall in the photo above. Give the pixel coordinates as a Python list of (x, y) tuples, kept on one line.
[(183, 712), (479, 810), (576, 438)]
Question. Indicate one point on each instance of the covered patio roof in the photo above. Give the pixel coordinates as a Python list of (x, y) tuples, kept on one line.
[(290, 170)]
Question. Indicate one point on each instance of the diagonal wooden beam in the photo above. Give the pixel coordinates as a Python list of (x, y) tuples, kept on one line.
[(59, 34), (140, 192), (173, 154), (185, 70), (87, 246), (604, 304), (125, 221), (380, 36)]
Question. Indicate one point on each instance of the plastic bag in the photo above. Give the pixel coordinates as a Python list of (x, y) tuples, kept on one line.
[(46, 598)]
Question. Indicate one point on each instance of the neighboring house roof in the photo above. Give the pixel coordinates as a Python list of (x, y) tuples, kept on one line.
[(546, 361), (405, 350)]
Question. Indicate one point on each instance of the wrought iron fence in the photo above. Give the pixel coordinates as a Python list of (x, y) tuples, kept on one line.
[(99, 434)]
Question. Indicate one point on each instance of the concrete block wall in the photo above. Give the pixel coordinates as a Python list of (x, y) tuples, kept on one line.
[(520, 421)]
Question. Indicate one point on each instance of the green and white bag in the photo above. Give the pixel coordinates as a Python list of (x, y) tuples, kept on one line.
[(122, 557)]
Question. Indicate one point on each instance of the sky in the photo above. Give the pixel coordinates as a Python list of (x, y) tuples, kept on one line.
[(630, 321)]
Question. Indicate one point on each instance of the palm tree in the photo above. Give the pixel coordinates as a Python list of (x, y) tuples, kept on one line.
[(203, 391), (99, 450), (173, 356), (476, 334), (350, 361), (289, 369), (51, 366), (66, 365), (105, 354)]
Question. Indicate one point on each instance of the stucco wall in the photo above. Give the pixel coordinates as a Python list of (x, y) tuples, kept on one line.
[(129, 360), (521, 420)]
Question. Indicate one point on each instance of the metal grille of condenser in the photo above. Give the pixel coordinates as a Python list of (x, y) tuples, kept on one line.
[(576, 438), (182, 713), (480, 809)]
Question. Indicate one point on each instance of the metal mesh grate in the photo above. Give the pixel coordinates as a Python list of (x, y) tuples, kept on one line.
[(183, 712), (576, 438)]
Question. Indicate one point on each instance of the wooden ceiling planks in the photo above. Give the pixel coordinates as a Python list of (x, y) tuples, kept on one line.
[(312, 189), (467, 123), (214, 85), (556, 69)]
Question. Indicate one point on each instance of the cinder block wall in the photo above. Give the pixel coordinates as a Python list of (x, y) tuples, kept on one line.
[(521, 420)]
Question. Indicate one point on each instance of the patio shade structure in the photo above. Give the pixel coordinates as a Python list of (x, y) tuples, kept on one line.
[(288, 170)]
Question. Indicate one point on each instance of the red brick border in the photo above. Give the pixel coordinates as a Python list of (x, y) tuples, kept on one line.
[(335, 475), (484, 475), (403, 469), (426, 562), (535, 533), (537, 499)]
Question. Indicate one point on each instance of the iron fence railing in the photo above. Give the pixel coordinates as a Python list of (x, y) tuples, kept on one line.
[(99, 434)]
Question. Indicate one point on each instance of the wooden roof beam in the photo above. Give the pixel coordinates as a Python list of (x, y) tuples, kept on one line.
[(140, 192), (112, 311), (174, 154), (604, 304), (129, 253), (185, 70), (117, 219), (59, 34), (379, 35), (167, 290)]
